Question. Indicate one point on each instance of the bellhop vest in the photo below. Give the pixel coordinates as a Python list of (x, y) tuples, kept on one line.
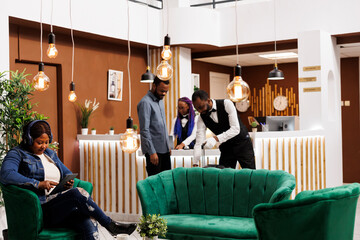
[(223, 124)]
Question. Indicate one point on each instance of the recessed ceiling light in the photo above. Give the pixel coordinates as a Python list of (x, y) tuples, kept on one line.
[(282, 55)]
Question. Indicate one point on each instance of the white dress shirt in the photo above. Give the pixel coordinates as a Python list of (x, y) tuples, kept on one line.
[(223, 137), (190, 138)]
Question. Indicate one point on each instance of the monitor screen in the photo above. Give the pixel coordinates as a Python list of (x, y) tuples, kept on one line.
[(281, 123)]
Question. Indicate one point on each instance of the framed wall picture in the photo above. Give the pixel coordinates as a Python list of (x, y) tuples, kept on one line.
[(195, 81), (115, 85)]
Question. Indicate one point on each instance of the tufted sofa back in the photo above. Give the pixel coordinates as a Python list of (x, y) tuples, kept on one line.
[(212, 191)]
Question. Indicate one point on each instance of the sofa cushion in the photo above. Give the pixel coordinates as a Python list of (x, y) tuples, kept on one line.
[(218, 227)]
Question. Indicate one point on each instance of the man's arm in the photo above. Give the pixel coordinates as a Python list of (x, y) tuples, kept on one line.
[(200, 138), (144, 113), (192, 136), (233, 122)]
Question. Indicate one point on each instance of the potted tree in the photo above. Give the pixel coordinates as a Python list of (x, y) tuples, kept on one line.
[(93, 131), (152, 226)]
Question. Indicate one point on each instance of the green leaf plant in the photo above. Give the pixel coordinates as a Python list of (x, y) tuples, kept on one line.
[(151, 226), (16, 109)]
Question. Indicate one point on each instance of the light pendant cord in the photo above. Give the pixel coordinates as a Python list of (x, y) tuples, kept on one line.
[(147, 33), (236, 30), (275, 30), (128, 62), (41, 31), (51, 26), (167, 17), (73, 44)]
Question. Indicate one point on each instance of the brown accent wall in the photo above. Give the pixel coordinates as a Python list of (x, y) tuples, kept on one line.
[(204, 70), (93, 58), (350, 119)]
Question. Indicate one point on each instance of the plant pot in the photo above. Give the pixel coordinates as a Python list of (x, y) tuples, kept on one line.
[(93, 132), (84, 131), (254, 129), (149, 238), (111, 132)]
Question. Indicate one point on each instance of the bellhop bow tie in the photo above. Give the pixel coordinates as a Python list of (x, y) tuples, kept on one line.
[(186, 116)]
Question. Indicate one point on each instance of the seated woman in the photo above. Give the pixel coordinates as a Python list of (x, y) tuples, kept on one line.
[(184, 125), (32, 165)]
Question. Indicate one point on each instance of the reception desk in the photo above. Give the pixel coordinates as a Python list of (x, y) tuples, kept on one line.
[(114, 174)]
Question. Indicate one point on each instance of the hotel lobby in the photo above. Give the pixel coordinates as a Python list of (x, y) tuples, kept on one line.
[(303, 123)]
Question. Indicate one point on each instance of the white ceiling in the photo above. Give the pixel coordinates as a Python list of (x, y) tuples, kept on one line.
[(253, 59)]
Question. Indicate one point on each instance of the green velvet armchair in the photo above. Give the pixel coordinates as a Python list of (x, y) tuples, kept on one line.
[(209, 203), (24, 215), (326, 214)]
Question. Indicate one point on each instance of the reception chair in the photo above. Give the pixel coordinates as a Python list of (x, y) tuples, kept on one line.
[(25, 218), (323, 214)]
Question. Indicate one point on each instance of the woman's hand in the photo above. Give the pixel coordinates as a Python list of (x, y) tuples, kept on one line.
[(180, 146), (47, 185), (69, 184)]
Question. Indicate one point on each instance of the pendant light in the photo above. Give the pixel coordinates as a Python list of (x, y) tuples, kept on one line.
[(41, 82), (51, 52), (72, 95), (129, 141), (164, 70), (238, 90), (148, 76), (275, 74)]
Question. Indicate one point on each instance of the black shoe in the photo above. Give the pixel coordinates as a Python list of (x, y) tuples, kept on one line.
[(116, 228)]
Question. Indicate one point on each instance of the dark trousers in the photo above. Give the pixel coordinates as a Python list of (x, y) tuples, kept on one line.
[(241, 152), (164, 164), (73, 209)]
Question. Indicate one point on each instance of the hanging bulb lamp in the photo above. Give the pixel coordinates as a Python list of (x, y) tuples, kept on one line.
[(276, 74), (52, 52), (238, 90), (129, 141), (164, 71), (41, 81), (148, 76), (166, 53), (72, 95)]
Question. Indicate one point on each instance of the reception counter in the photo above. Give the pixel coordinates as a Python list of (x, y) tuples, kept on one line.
[(114, 173)]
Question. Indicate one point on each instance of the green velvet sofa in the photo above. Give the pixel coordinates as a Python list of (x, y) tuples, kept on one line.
[(24, 215), (326, 214), (209, 203)]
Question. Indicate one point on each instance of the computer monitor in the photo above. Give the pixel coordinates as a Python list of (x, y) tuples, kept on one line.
[(280, 123)]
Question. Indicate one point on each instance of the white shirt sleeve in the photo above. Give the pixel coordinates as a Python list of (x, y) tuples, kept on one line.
[(200, 139), (192, 137), (171, 133), (233, 122)]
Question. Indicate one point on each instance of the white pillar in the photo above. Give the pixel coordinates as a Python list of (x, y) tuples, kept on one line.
[(186, 88), (4, 39), (322, 109)]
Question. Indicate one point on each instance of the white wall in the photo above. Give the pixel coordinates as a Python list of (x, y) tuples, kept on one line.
[(322, 110), (255, 21)]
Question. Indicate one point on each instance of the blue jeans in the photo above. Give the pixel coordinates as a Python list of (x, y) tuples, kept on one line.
[(73, 209)]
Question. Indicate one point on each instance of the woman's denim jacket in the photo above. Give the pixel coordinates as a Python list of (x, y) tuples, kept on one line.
[(23, 168)]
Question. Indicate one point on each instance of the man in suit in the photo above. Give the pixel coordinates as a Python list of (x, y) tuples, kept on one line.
[(221, 117)]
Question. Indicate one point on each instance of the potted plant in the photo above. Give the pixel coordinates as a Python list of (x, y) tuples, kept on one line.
[(254, 126), (93, 131), (111, 131), (135, 127), (152, 226), (85, 112)]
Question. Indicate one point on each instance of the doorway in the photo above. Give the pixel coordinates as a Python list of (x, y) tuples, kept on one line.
[(218, 84)]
